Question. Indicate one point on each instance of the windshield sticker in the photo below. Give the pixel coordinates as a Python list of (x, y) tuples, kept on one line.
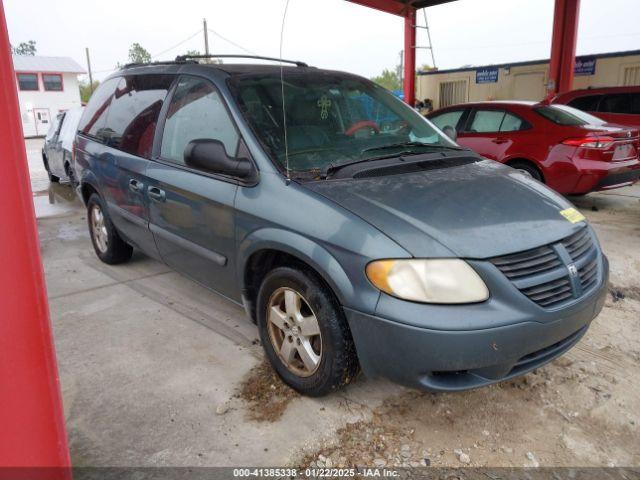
[(324, 103), (573, 215)]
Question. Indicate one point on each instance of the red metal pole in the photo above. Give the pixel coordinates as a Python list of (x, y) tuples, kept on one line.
[(563, 46), (410, 56), (32, 431)]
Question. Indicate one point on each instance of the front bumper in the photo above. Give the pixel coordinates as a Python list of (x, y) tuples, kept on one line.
[(451, 360)]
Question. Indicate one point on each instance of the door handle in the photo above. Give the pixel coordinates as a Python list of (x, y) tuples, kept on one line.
[(499, 140), (135, 185), (156, 194)]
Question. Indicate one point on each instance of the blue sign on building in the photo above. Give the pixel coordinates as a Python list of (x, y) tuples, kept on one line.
[(487, 75), (585, 66)]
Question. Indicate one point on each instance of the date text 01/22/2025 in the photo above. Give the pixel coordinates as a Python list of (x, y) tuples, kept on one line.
[(314, 472)]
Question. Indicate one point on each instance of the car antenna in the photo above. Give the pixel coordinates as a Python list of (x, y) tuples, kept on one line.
[(284, 116)]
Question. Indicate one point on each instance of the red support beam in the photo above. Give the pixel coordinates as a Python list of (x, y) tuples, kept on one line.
[(32, 431), (410, 56), (563, 46)]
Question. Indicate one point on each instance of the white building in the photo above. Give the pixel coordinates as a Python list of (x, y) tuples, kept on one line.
[(46, 86)]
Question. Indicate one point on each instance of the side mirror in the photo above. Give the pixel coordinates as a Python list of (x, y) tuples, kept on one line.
[(450, 132), (211, 156)]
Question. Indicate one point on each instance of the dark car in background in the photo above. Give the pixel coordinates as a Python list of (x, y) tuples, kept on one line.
[(567, 149), (353, 232), (620, 105)]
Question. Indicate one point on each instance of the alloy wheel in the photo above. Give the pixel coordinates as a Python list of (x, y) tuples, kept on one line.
[(99, 229), (294, 331)]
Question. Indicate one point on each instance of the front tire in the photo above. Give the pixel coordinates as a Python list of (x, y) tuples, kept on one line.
[(304, 333), (109, 247), (528, 169)]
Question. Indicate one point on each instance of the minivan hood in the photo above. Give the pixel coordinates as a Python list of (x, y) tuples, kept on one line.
[(478, 210)]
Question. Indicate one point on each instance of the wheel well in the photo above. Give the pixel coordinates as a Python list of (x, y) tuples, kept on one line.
[(531, 163), (260, 264), (87, 190)]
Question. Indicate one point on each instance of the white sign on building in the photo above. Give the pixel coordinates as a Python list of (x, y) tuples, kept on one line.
[(46, 87)]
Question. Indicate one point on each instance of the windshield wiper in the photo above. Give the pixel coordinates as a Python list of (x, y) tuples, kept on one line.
[(333, 167), (409, 144)]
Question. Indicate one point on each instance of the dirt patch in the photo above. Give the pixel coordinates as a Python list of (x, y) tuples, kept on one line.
[(266, 395), (621, 293), (569, 413)]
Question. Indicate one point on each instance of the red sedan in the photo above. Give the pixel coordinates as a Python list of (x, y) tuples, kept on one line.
[(567, 149)]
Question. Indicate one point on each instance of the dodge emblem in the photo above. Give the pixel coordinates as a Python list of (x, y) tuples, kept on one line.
[(573, 271)]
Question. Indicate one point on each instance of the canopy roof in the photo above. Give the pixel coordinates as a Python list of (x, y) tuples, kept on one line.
[(399, 7)]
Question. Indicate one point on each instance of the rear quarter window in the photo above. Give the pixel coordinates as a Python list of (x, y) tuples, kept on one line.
[(95, 114), (134, 112)]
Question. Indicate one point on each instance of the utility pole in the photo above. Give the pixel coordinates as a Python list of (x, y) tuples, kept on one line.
[(89, 68), (206, 36)]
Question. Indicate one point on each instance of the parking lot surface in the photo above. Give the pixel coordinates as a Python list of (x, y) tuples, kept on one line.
[(155, 370)]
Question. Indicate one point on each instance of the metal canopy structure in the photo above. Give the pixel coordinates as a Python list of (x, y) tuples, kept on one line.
[(563, 42)]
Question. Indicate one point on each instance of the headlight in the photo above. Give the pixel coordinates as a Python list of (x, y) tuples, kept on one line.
[(446, 280)]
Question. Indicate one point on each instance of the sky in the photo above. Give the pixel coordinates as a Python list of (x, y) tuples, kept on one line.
[(333, 34)]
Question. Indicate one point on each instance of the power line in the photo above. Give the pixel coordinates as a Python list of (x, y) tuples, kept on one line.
[(176, 45), (232, 42)]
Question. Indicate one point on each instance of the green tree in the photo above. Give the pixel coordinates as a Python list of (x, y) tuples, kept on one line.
[(138, 54), (389, 79), (86, 90), (25, 48)]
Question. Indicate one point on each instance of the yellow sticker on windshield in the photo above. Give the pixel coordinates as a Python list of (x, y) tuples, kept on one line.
[(573, 215)]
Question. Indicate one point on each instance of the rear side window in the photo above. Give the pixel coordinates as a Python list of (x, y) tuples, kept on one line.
[(447, 119), (511, 123), (196, 112), (567, 116), (486, 121), (134, 112), (588, 103), (95, 115), (627, 103)]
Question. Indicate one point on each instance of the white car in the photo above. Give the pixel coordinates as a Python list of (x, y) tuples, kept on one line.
[(58, 145)]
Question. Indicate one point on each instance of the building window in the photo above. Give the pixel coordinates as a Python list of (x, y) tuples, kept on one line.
[(452, 93), (28, 81), (631, 76), (52, 82)]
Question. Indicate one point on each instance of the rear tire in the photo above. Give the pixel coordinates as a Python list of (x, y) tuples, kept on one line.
[(304, 332), (527, 168), (109, 247)]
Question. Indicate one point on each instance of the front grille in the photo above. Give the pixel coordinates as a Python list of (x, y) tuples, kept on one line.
[(528, 263), (550, 293), (578, 244), (544, 275)]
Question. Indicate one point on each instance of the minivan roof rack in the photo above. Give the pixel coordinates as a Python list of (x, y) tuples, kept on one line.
[(149, 64), (182, 58)]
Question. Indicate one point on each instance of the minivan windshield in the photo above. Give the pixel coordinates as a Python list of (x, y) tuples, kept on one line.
[(568, 116), (331, 119)]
